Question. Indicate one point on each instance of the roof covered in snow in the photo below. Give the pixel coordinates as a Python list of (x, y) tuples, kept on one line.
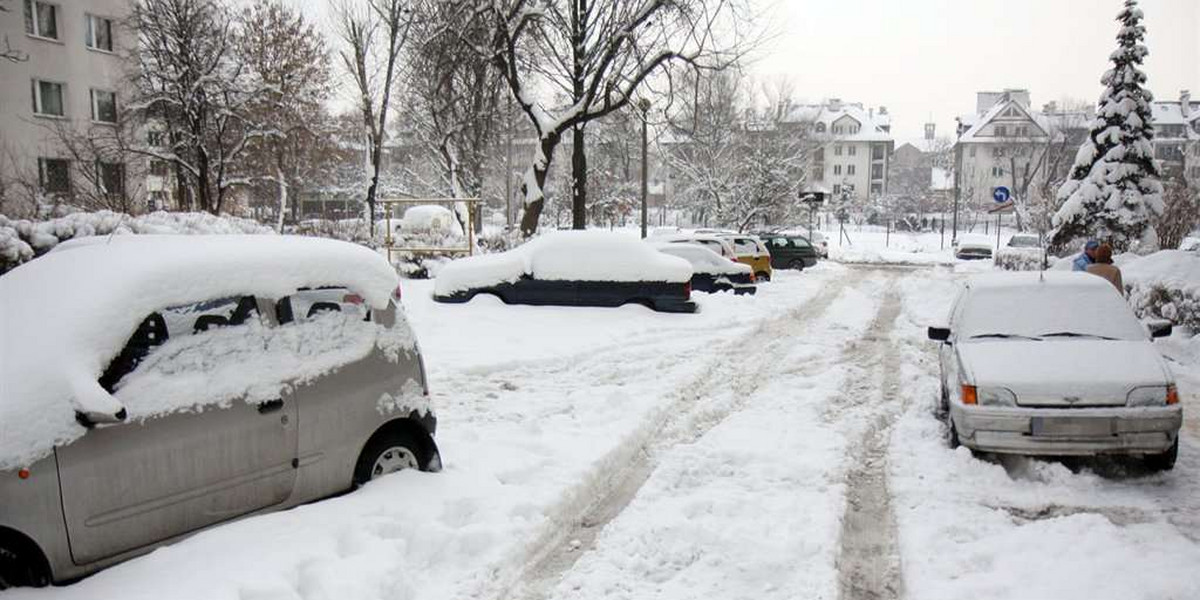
[(68, 313), (873, 126)]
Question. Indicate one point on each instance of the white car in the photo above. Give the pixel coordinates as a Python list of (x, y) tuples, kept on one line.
[(1055, 364), (972, 246)]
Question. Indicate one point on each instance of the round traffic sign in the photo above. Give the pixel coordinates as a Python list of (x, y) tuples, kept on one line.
[(1001, 195)]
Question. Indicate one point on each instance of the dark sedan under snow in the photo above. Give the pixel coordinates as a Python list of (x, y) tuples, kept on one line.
[(573, 268), (712, 272)]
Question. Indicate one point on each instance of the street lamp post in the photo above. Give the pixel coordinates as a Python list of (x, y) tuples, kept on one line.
[(644, 106)]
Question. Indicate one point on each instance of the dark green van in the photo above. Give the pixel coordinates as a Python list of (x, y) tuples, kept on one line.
[(790, 251)]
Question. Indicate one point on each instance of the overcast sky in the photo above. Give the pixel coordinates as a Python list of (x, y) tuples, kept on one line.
[(927, 58)]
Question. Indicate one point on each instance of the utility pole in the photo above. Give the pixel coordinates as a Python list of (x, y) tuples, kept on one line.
[(644, 105)]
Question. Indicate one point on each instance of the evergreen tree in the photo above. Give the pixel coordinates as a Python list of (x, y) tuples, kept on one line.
[(1114, 191)]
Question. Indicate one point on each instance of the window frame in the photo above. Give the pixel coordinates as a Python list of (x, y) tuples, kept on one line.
[(89, 33), (96, 106), (39, 104), (43, 163), (102, 180), (850, 170), (33, 20)]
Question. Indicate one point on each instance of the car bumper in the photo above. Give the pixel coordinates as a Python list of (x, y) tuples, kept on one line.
[(1068, 432)]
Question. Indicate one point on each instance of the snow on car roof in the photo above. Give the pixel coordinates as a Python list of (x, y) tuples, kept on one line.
[(702, 259), (566, 256), (67, 314)]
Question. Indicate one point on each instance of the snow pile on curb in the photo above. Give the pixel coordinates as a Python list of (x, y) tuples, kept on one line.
[(22, 240), (1166, 285)]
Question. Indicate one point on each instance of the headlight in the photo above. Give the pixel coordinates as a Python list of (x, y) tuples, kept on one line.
[(1158, 395), (996, 396)]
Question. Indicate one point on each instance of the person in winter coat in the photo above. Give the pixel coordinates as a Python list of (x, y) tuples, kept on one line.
[(1088, 257), (1105, 268)]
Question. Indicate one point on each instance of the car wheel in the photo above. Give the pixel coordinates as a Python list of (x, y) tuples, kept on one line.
[(797, 265), (954, 441), (21, 565), (1164, 461), (387, 452)]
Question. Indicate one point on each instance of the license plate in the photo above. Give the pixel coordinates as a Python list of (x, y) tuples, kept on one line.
[(1072, 426)]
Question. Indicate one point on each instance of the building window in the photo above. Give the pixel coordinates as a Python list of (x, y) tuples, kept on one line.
[(41, 19), (104, 106), (850, 169), (876, 188), (156, 139), (837, 150), (852, 150), (877, 153), (48, 98), (998, 151), (160, 168), (837, 188), (876, 171), (997, 171), (99, 33), (971, 151), (819, 155), (820, 128), (837, 169), (111, 177), (818, 173), (54, 175), (1001, 131)]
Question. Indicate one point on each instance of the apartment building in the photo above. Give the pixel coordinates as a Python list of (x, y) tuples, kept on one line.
[(65, 63), (854, 147)]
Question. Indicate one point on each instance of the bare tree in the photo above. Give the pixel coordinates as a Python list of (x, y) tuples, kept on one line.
[(363, 29), (187, 79), (285, 59), (596, 55)]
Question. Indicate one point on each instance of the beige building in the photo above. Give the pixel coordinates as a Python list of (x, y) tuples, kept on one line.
[(61, 78), (854, 147)]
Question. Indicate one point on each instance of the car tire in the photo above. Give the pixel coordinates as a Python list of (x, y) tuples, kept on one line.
[(797, 265), (21, 565), (953, 441), (388, 451), (1164, 461)]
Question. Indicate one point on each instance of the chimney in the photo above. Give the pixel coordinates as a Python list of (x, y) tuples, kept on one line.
[(1185, 102), (835, 104), (883, 110), (871, 113), (1050, 107)]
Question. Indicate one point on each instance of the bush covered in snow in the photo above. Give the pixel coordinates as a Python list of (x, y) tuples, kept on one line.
[(1020, 259), (1166, 285), (22, 240)]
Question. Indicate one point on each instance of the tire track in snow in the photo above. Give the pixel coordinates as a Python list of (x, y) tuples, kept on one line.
[(869, 566), (686, 419)]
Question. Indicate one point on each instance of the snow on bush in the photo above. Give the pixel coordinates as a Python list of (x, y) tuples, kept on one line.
[(68, 314), (1166, 285), (1020, 259), (22, 240)]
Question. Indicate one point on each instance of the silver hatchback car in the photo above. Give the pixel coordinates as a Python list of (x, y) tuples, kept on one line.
[(154, 386), (1055, 364)]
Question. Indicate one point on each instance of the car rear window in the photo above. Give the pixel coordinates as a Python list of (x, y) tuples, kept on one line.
[(745, 246), (305, 304)]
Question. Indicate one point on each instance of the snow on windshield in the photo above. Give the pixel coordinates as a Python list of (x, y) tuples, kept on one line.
[(1037, 310)]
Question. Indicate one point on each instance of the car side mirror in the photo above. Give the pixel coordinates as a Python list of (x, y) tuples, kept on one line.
[(939, 334), (1159, 328)]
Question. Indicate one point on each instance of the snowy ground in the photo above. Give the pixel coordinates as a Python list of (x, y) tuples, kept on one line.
[(776, 446)]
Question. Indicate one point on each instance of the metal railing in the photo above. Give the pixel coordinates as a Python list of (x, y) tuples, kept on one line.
[(390, 242)]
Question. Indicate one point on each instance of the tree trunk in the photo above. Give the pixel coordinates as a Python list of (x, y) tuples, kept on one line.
[(202, 186), (578, 180), (535, 199)]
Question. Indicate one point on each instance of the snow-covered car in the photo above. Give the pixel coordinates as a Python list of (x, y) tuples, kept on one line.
[(1190, 244), (717, 243), (821, 243), (157, 385), (973, 246), (1024, 241), (1022, 252), (712, 272), (1055, 364), (749, 250), (573, 268)]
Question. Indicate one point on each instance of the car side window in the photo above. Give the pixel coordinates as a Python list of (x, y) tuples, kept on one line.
[(306, 304), (779, 242), (801, 243), (175, 323)]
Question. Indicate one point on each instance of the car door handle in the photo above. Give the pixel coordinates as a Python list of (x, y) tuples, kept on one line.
[(270, 406)]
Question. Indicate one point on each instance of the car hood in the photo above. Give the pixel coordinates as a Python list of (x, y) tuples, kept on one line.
[(1064, 372)]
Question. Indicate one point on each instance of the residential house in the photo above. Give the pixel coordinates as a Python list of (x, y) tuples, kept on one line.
[(854, 147)]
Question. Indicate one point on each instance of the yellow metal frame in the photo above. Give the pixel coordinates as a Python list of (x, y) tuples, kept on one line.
[(389, 242)]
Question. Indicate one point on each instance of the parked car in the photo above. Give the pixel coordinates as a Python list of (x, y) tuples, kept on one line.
[(1024, 241), (573, 268), (1055, 363), (821, 243), (973, 246), (158, 385), (717, 243), (790, 251), (750, 251), (712, 272), (1191, 244)]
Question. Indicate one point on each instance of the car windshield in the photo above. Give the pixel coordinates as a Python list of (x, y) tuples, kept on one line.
[(1047, 312)]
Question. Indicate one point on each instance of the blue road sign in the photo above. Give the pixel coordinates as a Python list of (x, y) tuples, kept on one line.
[(1001, 195)]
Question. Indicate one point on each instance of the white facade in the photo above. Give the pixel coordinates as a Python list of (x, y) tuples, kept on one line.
[(67, 75), (855, 147)]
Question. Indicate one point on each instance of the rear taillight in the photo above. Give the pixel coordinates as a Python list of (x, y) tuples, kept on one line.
[(734, 259), (352, 299), (970, 395), (687, 291), (753, 278), (396, 295), (1172, 395)]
